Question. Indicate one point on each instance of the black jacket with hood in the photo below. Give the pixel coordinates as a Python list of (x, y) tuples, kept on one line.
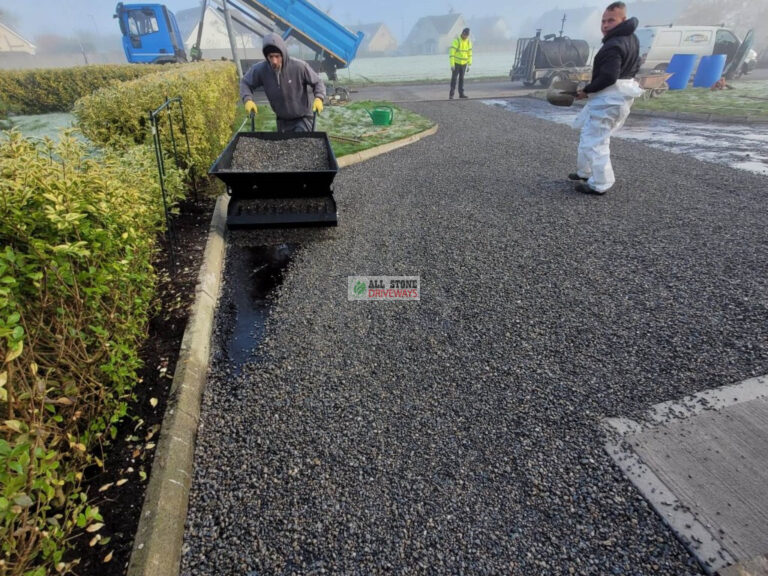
[(619, 57), (286, 89)]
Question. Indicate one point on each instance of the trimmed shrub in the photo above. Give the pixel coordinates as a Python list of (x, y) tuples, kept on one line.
[(55, 90)]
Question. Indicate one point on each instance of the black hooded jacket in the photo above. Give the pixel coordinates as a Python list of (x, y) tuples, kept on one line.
[(619, 57)]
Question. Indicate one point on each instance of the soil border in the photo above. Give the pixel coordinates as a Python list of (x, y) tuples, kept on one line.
[(159, 536)]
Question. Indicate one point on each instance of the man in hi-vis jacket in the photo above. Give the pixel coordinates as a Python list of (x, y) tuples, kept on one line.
[(285, 81), (461, 60), (611, 92)]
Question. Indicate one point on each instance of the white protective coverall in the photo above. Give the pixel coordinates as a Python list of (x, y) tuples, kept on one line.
[(602, 115)]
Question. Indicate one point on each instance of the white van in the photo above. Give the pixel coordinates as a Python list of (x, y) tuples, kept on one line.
[(659, 43)]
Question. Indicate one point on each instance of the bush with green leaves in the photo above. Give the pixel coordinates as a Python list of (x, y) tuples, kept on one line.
[(118, 116), (78, 230)]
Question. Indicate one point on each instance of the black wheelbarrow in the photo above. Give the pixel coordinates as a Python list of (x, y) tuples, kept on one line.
[(265, 193)]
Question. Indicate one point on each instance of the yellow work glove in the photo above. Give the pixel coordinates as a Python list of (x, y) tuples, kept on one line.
[(250, 107), (317, 105)]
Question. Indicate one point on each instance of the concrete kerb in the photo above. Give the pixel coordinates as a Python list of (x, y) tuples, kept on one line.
[(350, 159), (160, 534)]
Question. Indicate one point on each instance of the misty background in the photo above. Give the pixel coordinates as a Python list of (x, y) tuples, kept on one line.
[(84, 31), (76, 16)]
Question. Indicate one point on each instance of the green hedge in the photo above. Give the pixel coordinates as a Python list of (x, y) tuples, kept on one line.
[(41, 91), (118, 116), (78, 232)]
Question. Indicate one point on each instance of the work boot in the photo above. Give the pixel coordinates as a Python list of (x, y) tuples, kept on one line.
[(575, 177), (463, 96), (585, 188)]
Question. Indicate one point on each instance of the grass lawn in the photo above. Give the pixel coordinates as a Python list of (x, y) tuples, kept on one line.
[(349, 126), (745, 98)]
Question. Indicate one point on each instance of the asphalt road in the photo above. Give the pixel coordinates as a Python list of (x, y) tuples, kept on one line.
[(475, 89), (461, 434)]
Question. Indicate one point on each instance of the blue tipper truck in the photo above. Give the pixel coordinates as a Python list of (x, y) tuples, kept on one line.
[(150, 33)]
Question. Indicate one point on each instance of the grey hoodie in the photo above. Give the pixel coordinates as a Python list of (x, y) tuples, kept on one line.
[(287, 89)]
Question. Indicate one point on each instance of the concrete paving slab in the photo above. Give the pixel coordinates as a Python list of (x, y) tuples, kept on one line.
[(701, 463)]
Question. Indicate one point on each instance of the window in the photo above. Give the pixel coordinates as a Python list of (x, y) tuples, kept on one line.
[(726, 36), (645, 38), (726, 43), (141, 22)]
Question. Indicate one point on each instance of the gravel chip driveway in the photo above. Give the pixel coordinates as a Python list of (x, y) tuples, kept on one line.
[(461, 434)]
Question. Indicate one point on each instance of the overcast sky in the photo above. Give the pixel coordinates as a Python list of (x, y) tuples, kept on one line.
[(67, 17)]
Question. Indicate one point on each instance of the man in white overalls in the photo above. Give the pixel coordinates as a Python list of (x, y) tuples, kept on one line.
[(611, 93)]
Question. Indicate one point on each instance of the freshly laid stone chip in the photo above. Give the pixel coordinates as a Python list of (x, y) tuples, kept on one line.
[(290, 155)]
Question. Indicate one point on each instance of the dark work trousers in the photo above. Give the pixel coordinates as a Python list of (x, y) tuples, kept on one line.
[(458, 72), (302, 124)]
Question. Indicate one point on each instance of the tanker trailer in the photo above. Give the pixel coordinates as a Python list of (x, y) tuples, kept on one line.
[(550, 59)]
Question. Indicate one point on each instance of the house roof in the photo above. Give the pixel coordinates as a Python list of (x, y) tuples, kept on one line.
[(369, 30), (11, 41), (442, 24)]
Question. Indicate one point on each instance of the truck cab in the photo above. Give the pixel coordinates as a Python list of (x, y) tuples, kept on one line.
[(150, 34)]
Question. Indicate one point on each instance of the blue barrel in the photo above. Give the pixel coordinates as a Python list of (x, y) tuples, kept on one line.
[(681, 67), (709, 71)]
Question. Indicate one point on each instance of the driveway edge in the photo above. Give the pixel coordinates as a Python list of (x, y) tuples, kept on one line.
[(363, 155), (160, 534)]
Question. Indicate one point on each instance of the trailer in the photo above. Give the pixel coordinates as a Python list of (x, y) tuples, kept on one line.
[(550, 59)]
